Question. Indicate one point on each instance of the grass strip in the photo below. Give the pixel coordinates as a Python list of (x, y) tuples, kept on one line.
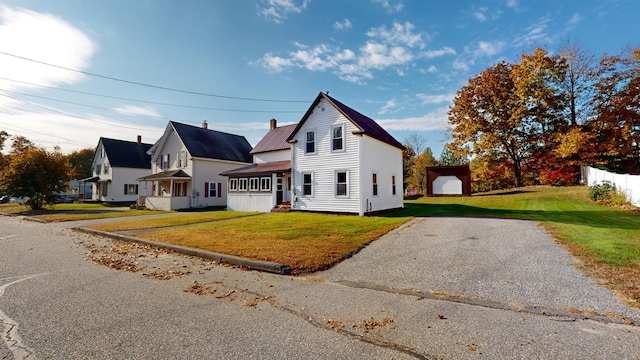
[(171, 220), (305, 242)]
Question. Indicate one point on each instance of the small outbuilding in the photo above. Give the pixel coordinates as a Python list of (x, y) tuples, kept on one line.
[(448, 180)]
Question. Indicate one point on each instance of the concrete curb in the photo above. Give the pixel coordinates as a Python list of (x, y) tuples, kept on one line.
[(265, 266)]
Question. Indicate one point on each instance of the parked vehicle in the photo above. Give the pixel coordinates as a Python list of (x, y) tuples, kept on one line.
[(4, 199)]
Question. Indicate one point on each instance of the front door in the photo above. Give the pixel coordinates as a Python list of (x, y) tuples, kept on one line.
[(279, 191)]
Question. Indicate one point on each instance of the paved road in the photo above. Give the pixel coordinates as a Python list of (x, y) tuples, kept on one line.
[(436, 288)]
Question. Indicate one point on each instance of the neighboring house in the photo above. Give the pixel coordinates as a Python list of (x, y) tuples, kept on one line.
[(337, 161), (266, 183), (116, 166), (186, 163)]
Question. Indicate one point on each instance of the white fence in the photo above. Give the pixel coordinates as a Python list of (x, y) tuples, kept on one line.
[(629, 184)]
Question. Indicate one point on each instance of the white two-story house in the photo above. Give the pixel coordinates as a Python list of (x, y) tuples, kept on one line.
[(186, 163), (344, 162), (116, 166)]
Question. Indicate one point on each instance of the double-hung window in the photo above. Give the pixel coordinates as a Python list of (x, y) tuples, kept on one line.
[(131, 189), (341, 183), (307, 184), (337, 138), (265, 184), (233, 184), (374, 181), (242, 184), (254, 184), (182, 159), (310, 142), (393, 184), (165, 162)]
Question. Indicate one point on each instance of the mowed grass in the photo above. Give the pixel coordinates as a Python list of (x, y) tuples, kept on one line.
[(74, 212), (305, 242), (175, 219), (605, 240)]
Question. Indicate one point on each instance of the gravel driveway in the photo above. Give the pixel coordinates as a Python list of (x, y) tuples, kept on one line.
[(500, 260)]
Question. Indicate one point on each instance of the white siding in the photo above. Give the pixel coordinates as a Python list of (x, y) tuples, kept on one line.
[(120, 177), (272, 156), (245, 201), (386, 161), (325, 162), (207, 170)]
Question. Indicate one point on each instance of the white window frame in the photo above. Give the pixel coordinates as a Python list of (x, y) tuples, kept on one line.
[(182, 159), (265, 183), (213, 190), (394, 192), (333, 138), (306, 141), (337, 184), (164, 161), (105, 168), (233, 184), (243, 184), (98, 169), (310, 184), (131, 189), (375, 189), (254, 184)]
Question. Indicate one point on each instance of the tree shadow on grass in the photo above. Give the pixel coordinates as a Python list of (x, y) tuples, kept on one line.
[(600, 219)]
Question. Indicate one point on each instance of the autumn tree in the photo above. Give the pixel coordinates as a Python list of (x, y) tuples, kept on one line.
[(418, 178), (3, 137), (486, 117), (449, 157), (413, 145), (578, 83), (81, 160), (616, 122), (35, 173)]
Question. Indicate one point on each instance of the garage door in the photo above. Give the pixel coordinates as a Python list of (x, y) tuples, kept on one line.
[(447, 185)]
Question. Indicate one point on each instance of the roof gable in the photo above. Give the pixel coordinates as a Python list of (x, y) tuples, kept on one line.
[(212, 144), (276, 139), (126, 154), (365, 124)]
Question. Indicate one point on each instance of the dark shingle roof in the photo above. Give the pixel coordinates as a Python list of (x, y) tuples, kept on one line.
[(127, 154), (211, 144), (276, 139), (365, 124)]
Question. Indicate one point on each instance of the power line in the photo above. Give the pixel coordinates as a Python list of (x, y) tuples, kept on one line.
[(148, 101), (152, 86)]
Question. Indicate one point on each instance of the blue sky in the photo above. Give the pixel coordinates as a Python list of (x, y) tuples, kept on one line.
[(239, 63)]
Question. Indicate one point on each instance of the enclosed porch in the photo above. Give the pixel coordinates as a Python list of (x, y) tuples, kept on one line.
[(259, 187), (168, 190)]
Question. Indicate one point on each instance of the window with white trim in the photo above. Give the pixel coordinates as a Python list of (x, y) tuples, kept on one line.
[(165, 162), (131, 189), (105, 168), (213, 189), (393, 184), (342, 183), (307, 184), (182, 159), (98, 168), (337, 138), (374, 182), (242, 184), (265, 184), (310, 147), (254, 184), (233, 184)]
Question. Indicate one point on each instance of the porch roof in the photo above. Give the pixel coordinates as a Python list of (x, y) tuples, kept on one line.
[(90, 179), (166, 175), (260, 169)]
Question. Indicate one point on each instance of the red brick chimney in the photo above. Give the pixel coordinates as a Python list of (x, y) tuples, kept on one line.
[(204, 124), (273, 123)]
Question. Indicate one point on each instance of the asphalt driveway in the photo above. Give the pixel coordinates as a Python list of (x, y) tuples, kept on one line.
[(503, 261)]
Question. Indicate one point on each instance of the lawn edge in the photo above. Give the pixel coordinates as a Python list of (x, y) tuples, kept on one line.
[(265, 266)]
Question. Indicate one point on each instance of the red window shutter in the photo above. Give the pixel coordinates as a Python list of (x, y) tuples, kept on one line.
[(206, 189), (219, 189)]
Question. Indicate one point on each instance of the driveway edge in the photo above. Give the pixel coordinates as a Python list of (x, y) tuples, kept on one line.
[(265, 266)]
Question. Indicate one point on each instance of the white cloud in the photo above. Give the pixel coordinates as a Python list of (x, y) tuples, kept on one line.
[(486, 48), (387, 48), (436, 120), (344, 25), (389, 107), (45, 38), (137, 110), (481, 15), (512, 4), (430, 54), (389, 6), (576, 18), (435, 99), (535, 34), (278, 10)]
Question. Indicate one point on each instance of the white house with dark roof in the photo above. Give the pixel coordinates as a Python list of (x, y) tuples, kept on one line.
[(116, 166), (186, 163), (266, 183), (337, 161), (344, 162)]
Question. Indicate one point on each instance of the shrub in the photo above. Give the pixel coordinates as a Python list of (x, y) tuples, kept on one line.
[(607, 193)]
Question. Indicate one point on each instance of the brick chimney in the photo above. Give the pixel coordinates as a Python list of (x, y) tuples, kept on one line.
[(139, 140), (273, 123), (204, 124)]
